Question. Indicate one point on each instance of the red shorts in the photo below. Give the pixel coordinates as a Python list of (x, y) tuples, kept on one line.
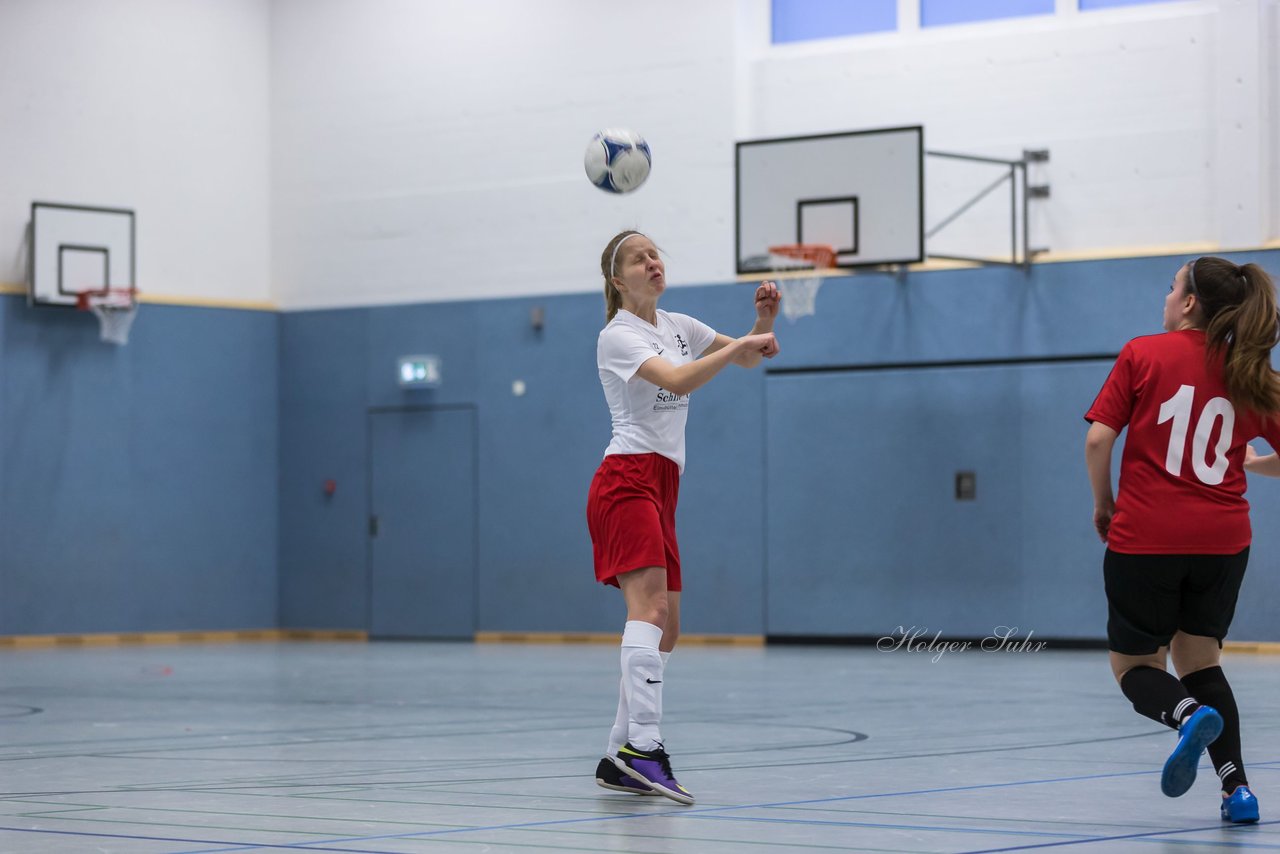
[(631, 513)]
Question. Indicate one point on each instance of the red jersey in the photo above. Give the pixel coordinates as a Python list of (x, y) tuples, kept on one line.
[(1182, 478)]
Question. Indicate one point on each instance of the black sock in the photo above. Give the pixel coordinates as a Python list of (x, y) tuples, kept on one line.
[(1210, 686), (1158, 695)]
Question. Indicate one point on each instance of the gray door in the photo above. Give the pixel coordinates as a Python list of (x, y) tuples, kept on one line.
[(422, 523)]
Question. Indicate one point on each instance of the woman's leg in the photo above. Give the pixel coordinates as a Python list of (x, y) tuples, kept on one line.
[(649, 608), (1154, 692), (1198, 661), (645, 592), (620, 731), (671, 629), (1144, 594)]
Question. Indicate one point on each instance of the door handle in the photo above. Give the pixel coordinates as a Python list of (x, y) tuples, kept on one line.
[(373, 526)]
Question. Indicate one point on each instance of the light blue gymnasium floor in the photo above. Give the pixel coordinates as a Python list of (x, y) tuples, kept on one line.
[(419, 747)]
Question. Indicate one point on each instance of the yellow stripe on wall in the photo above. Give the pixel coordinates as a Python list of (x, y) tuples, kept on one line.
[(1262, 647), (162, 299), (1188, 249), (930, 265), (1257, 647), (611, 638), (208, 302), (140, 638)]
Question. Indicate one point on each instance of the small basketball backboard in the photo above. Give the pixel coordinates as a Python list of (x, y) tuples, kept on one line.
[(77, 249), (861, 193)]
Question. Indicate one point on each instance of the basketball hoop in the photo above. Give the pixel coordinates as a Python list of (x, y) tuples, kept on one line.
[(800, 292), (819, 255), (115, 309)]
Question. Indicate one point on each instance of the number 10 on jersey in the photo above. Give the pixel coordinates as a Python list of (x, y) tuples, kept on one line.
[(1178, 410)]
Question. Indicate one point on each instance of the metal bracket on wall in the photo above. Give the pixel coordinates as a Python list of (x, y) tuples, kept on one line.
[(1014, 172)]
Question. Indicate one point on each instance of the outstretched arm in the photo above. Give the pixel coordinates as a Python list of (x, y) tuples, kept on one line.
[(686, 378), (1098, 444)]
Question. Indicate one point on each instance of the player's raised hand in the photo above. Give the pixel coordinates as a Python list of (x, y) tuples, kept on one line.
[(767, 299)]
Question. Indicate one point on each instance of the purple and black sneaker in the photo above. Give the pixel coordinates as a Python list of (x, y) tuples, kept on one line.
[(609, 777), (652, 767)]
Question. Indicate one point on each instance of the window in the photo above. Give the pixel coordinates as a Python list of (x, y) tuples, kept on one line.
[(1090, 5), (936, 13), (805, 20)]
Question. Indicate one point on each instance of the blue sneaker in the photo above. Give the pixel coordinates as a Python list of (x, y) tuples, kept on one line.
[(1197, 733), (1241, 807)]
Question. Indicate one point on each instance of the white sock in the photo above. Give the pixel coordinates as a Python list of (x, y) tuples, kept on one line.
[(642, 683), (622, 720)]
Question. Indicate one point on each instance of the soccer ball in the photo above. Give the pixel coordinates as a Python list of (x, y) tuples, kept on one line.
[(617, 161)]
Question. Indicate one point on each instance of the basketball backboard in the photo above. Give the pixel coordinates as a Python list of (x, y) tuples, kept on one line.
[(77, 249), (861, 192)]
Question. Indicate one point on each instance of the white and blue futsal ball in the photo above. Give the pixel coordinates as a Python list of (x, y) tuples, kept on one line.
[(618, 161)]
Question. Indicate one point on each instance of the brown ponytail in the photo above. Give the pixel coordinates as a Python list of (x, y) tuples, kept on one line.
[(612, 298), (1241, 326)]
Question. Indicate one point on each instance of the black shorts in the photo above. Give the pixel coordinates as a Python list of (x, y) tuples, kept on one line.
[(1150, 597)]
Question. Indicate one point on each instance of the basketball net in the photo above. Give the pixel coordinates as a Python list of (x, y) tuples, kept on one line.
[(799, 293), (115, 310), (798, 296)]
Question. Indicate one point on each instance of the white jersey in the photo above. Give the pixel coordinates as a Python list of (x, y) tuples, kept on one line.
[(647, 419)]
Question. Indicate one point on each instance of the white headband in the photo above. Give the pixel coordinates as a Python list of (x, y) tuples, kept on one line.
[(613, 260)]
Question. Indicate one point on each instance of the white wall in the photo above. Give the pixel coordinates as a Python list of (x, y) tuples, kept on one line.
[(433, 150), (1271, 54), (156, 105), (1139, 107), (348, 152)]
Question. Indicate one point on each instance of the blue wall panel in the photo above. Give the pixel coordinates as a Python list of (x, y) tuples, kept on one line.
[(985, 313), (722, 498), (176, 483), (721, 508), (447, 330), (336, 365), (139, 488), (1023, 552), (538, 452), (324, 370), (879, 540), (1056, 548), (423, 567)]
